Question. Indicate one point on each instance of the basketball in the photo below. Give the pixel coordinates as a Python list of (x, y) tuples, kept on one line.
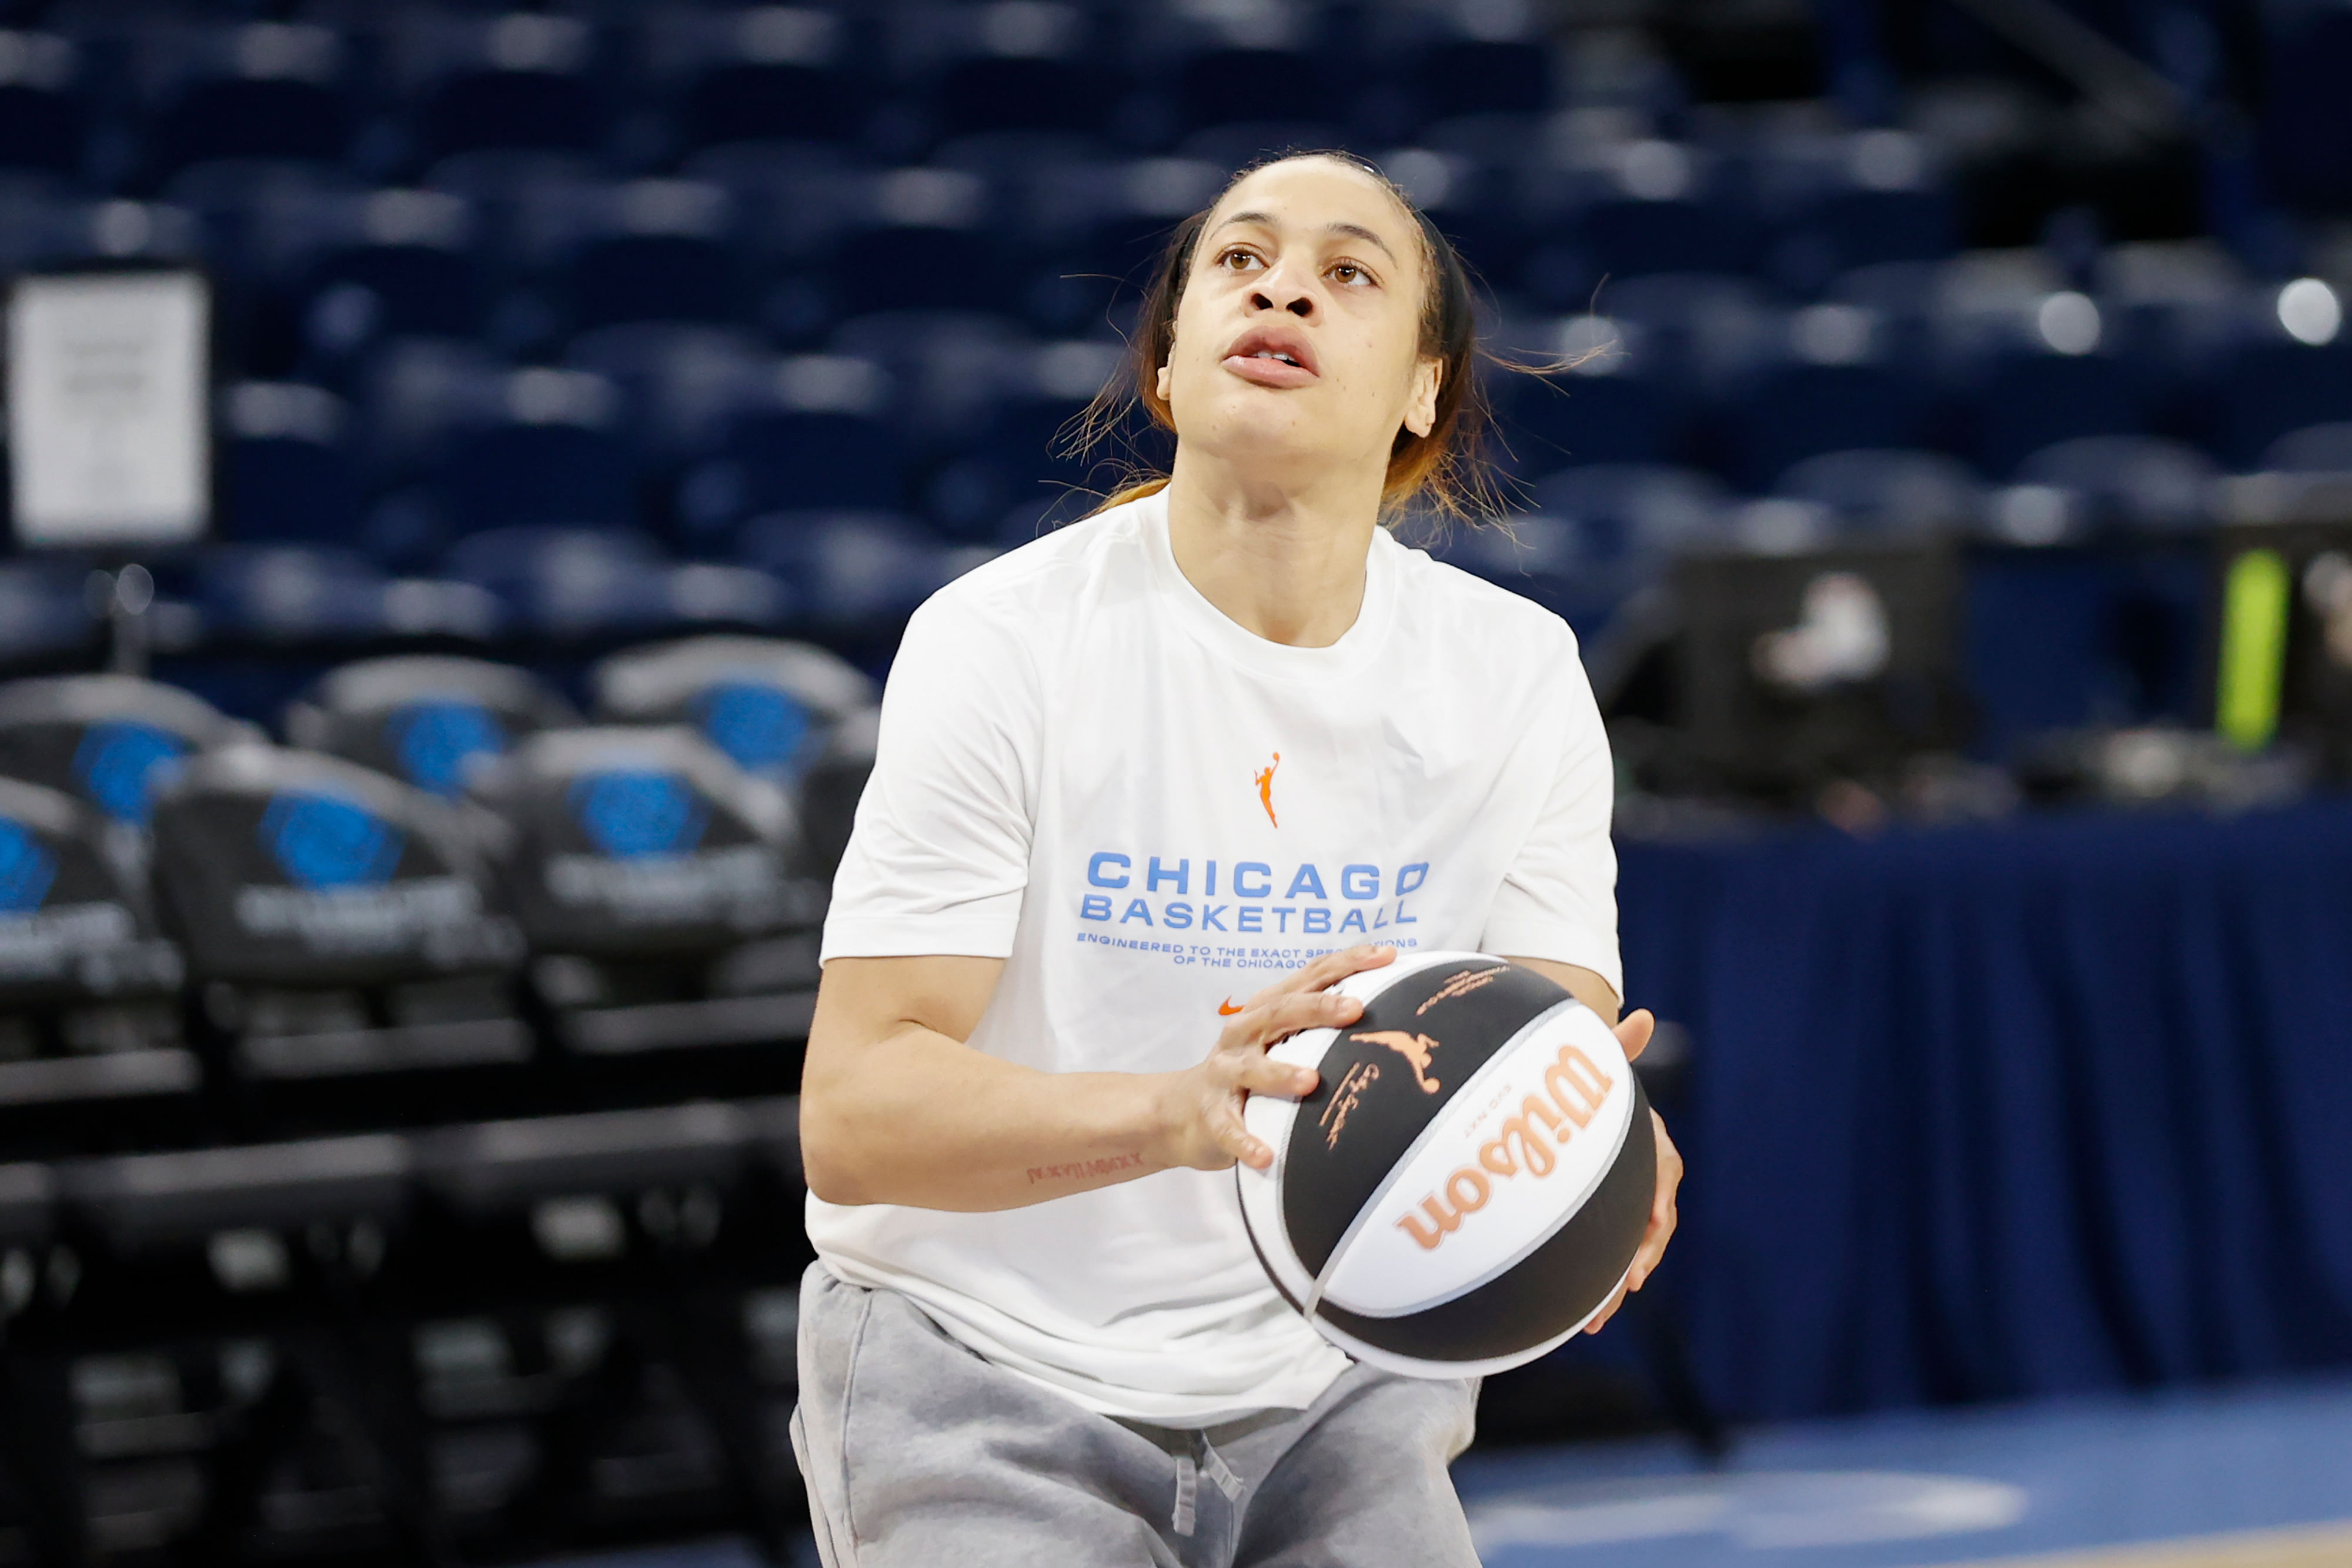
[(1466, 1186)]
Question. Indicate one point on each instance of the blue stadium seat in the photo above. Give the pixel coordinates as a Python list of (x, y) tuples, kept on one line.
[(569, 581), (2274, 380), (1888, 492), (44, 125), (523, 80), (286, 469), (658, 251), (922, 242), (2129, 484), (680, 383), (1862, 199), (2032, 371), (1683, 327), (259, 89), (394, 263), (2314, 449), (943, 365), (1021, 468), (820, 435), (289, 594), (1274, 76), (1828, 385), (2307, 58), (1454, 74), (1604, 407), (1015, 67), (548, 450), (768, 73), (1635, 512), (1643, 207), (851, 573)]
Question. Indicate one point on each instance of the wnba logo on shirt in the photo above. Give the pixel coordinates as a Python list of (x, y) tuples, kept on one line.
[(1265, 788)]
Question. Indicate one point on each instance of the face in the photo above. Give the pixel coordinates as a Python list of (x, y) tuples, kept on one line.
[(1298, 336)]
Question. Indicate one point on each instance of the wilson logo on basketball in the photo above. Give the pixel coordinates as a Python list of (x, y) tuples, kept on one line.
[(1573, 1091)]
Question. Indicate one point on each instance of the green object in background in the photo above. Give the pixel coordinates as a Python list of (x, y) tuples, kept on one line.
[(2255, 601)]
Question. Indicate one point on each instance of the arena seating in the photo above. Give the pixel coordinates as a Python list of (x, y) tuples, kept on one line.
[(602, 386)]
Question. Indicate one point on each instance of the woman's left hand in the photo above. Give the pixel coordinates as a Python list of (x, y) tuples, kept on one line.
[(1633, 1034)]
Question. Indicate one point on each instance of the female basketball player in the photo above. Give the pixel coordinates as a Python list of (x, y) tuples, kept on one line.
[(1227, 729)]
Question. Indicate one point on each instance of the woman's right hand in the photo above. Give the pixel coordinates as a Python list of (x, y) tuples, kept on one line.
[(1200, 1107)]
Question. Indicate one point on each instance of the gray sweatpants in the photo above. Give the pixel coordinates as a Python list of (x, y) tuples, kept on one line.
[(919, 1454)]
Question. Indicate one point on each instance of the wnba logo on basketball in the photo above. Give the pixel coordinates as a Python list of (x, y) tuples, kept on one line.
[(1573, 1090)]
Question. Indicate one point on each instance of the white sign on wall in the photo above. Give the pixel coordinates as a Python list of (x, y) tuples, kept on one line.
[(109, 430)]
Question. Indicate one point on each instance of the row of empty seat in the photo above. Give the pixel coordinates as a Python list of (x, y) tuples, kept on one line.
[(445, 891)]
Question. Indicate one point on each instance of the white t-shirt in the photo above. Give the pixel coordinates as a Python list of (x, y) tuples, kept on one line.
[(1088, 770)]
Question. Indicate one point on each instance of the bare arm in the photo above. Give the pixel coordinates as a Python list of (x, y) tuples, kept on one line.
[(896, 1108), (1633, 1034)]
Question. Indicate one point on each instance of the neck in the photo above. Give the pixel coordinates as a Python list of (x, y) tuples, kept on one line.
[(1283, 561)]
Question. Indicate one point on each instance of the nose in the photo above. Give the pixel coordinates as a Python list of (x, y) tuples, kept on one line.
[(1278, 296)]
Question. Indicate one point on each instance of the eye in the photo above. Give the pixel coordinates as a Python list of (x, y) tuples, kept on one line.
[(1348, 275), (1238, 259)]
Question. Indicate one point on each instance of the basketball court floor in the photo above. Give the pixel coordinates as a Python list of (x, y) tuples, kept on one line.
[(2246, 1477)]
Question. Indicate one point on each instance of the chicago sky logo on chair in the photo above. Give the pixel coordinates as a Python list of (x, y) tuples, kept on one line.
[(438, 741), (122, 763), (323, 842), (631, 814), (27, 869)]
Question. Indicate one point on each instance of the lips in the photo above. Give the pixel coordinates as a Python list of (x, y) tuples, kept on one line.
[(1273, 355)]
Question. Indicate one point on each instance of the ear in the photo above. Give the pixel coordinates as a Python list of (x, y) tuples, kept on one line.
[(1421, 403), (1161, 384)]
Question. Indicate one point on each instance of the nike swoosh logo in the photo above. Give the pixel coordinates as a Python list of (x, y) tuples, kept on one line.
[(1226, 1009)]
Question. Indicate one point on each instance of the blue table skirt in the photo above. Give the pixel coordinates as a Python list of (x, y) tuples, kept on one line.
[(2054, 1105)]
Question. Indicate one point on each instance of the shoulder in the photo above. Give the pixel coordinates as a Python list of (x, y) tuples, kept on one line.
[(1464, 609), (1031, 590)]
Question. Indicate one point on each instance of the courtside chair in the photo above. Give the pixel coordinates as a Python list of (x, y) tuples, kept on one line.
[(215, 1386), (429, 719), (351, 951), (771, 706), (110, 741), (2314, 449), (671, 927), (590, 1363), (96, 1052)]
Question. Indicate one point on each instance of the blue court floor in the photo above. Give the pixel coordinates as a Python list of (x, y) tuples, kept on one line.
[(2253, 1478), (2248, 1477)]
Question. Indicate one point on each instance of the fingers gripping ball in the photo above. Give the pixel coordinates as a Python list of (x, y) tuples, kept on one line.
[(1466, 1186)]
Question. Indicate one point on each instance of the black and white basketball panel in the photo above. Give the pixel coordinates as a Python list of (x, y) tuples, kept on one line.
[(1466, 1186)]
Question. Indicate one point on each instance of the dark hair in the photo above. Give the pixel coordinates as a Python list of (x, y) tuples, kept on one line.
[(1446, 469)]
